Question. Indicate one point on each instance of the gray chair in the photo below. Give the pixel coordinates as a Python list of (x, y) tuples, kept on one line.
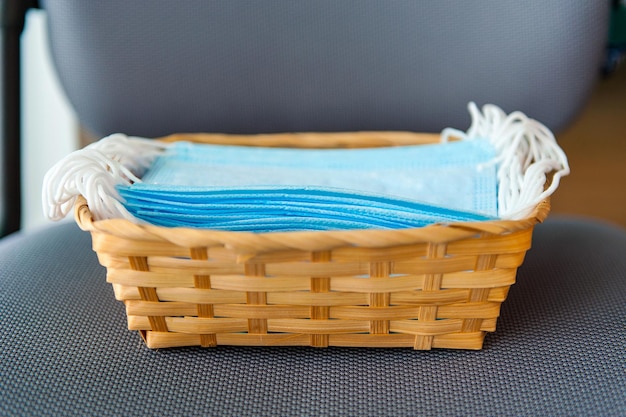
[(155, 67)]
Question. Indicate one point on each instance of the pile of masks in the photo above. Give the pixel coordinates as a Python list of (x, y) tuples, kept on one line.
[(277, 189), (497, 170)]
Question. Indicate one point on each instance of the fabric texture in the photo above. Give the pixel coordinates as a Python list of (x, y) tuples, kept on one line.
[(281, 189), (272, 209), (454, 175), (559, 348), (150, 68)]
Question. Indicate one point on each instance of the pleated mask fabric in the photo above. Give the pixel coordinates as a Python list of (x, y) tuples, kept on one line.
[(280, 208), (278, 189), (498, 169)]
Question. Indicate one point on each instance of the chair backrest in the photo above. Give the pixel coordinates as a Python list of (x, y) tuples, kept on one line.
[(155, 67)]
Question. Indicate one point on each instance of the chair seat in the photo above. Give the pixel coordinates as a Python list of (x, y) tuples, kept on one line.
[(559, 348)]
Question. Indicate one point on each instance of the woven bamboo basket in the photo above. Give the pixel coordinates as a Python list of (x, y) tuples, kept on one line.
[(439, 286)]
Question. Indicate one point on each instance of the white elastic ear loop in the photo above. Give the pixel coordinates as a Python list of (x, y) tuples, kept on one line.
[(448, 133), (94, 172), (526, 152)]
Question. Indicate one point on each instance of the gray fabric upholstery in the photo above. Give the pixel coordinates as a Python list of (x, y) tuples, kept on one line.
[(156, 67), (559, 349)]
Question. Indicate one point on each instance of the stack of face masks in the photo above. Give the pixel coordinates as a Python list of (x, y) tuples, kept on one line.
[(497, 170), (269, 189)]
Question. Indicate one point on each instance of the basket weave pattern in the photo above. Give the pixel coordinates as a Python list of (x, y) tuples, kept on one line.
[(440, 286)]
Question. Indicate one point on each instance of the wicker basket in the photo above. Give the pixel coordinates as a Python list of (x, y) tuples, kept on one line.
[(440, 286)]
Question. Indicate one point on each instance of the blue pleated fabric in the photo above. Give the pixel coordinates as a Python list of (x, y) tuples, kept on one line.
[(276, 189)]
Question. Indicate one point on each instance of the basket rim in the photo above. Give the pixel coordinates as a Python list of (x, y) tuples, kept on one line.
[(250, 243), (255, 243)]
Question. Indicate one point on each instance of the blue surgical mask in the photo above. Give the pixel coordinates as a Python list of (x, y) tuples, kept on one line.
[(270, 189), (446, 174), (276, 208), (498, 169)]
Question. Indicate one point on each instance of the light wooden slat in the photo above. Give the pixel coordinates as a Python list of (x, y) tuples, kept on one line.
[(148, 279), (335, 298), (426, 327), (198, 295), (197, 325), (259, 284), (317, 326)]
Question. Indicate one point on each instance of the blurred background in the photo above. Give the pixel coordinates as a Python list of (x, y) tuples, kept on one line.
[(595, 143), (596, 148)]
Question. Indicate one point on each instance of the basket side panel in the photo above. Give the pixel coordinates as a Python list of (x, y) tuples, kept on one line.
[(424, 295)]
